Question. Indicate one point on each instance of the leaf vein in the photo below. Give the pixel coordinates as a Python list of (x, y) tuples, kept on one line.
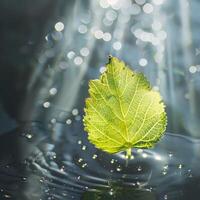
[(106, 121), (137, 84), (104, 134)]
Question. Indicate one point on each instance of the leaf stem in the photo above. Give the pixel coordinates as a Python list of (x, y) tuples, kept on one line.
[(128, 153)]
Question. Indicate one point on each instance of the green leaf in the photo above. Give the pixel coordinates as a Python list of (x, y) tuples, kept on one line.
[(123, 111)]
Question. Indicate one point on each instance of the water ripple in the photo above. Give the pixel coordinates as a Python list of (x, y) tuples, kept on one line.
[(70, 167)]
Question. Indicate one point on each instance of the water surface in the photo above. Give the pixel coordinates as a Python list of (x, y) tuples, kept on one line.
[(57, 162)]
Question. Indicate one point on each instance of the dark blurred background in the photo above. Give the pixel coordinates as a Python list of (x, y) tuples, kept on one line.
[(24, 25)]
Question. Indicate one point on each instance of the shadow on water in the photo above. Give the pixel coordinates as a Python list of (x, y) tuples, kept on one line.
[(119, 195)]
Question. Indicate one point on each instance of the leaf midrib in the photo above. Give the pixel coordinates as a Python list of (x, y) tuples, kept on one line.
[(123, 116)]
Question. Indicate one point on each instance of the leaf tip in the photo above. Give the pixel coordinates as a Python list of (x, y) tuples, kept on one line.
[(110, 56)]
